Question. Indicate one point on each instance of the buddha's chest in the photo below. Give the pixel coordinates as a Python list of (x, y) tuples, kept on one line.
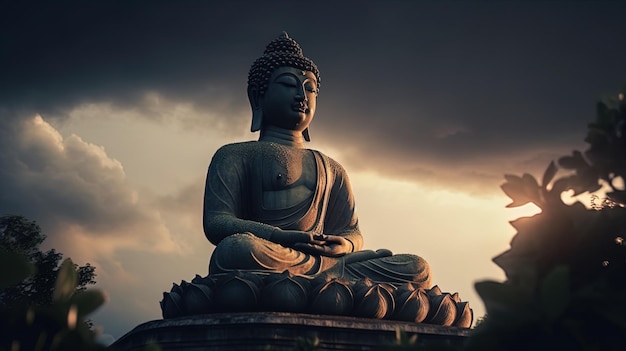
[(289, 176)]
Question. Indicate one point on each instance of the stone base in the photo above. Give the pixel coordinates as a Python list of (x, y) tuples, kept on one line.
[(280, 331)]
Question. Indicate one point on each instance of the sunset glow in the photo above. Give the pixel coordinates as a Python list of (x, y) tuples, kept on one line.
[(109, 125)]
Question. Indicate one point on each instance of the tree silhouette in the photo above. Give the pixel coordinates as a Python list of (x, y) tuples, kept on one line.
[(43, 305), (22, 236)]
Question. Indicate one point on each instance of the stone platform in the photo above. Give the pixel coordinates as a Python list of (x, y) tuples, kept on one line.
[(280, 331)]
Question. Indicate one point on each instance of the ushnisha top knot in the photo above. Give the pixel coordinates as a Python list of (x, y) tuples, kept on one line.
[(283, 45), (280, 52)]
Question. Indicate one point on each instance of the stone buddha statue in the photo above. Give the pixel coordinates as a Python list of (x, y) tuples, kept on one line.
[(283, 220), (273, 205)]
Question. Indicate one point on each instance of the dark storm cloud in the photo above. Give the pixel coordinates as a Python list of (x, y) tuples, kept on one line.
[(414, 89), (110, 51)]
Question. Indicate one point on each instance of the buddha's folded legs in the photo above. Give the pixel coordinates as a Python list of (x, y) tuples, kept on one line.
[(248, 252), (395, 269)]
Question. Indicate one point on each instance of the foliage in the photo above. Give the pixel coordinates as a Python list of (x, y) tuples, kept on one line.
[(307, 344), (566, 267), (22, 236), (57, 326), (42, 304), (480, 320)]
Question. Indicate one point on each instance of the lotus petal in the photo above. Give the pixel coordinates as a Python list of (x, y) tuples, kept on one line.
[(365, 283), (412, 305), (177, 289), (456, 297), (465, 315), (275, 277), (375, 301), (183, 286), (285, 293), (323, 278), (334, 297), (442, 310), (237, 292), (434, 291), (208, 280), (408, 286), (171, 305), (197, 299)]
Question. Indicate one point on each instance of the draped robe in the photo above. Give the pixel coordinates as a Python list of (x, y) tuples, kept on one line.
[(240, 216)]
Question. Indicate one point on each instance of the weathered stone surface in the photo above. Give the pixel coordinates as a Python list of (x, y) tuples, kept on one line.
[(274, 205), (279, 331), (283, 219)]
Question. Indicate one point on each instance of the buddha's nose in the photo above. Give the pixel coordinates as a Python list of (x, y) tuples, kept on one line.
[(300, 95)]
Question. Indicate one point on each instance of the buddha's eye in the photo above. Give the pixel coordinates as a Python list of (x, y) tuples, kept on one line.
[(310, 87), (287, 81)]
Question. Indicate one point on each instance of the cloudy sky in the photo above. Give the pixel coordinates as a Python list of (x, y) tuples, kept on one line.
[(111, 112)]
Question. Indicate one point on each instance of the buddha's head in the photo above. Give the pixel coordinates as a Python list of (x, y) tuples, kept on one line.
[(283, 87)]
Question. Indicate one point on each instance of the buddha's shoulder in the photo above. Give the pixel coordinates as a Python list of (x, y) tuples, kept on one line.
[(234, 151), (244, 151), (237, 147), (334, 166)]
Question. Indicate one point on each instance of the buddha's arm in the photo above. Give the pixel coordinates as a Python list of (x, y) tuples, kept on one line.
[(217, 226), (222, 197)]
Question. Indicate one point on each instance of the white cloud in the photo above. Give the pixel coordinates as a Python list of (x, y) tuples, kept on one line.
[(79, 195), (225, 115), (90, 210), (164, 144)]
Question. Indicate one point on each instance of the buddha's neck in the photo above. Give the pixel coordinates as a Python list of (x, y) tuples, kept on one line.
[(282, 136)]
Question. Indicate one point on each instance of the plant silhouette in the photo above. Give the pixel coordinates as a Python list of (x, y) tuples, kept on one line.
[(566, 267)]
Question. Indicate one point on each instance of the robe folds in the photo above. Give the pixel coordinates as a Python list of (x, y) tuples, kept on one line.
[(239, 221)]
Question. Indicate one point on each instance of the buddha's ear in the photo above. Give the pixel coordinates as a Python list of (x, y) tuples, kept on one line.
[(305, 134), (255, 104)]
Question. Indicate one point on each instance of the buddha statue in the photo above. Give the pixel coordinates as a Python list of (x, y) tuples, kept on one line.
[(273, 205), (283, 220)]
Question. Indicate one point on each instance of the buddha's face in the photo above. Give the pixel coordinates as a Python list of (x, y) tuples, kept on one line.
[(290, 99)]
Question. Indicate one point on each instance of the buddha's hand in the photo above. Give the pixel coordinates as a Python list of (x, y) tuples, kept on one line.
[(290, 238), (326, 245)]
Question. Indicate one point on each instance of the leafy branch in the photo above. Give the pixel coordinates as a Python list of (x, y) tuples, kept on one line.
[(566, 267)]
